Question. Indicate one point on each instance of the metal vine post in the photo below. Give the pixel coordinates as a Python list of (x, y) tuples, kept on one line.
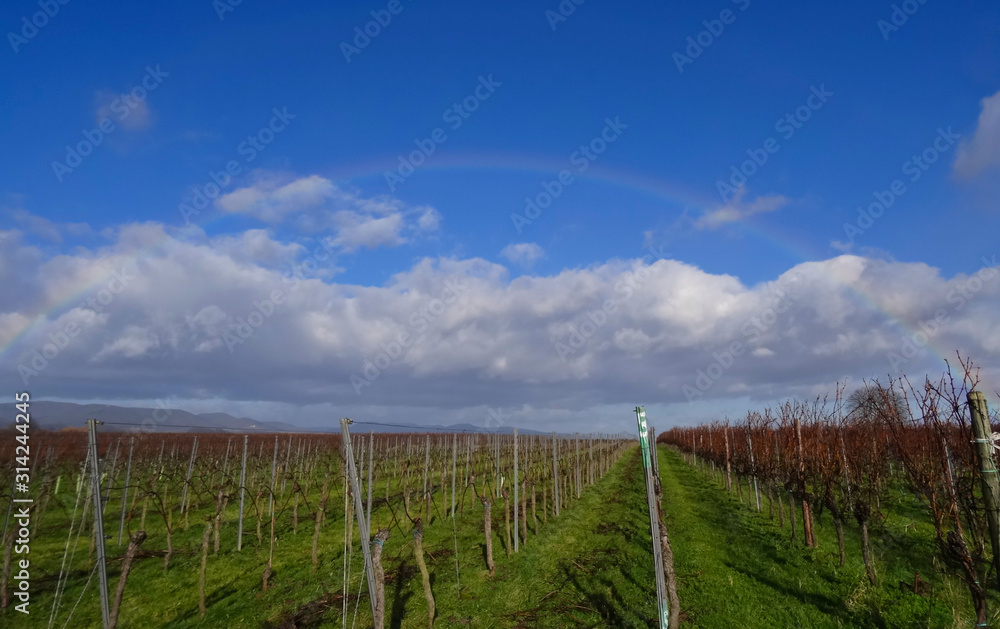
[(359, 508), (654, 524), (102, 568)]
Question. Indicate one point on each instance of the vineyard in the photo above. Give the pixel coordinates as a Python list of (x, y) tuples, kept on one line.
[(914, 463), (262, 530), (873, 509)]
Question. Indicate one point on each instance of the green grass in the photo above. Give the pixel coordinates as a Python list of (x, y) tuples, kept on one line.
[(590, 567), (737, 568)]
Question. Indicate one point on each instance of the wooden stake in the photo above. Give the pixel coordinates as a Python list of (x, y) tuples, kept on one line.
[(729, 467), (517, 534), (243, 491), (274, 470), (488, 531), (128, 476), (454, 470), (555, 474), (187, 477), (988, 470)]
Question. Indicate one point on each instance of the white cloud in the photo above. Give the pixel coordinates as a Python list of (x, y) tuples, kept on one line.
[(37, 225), (257, 245), (270, 201), (982, 151), (651, 327), (356, 230), (429, 220), (523, 254), (315, 204), (133, 342), (737, 210), (45, 228)]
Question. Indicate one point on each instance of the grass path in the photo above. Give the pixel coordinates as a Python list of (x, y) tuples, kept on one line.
[(736, 568), (590, 567)]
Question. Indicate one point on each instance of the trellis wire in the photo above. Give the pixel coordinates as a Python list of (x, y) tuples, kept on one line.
[(61, 582)]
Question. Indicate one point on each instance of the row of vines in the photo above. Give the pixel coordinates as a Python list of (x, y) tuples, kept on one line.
[(847, 456), (214, 495)]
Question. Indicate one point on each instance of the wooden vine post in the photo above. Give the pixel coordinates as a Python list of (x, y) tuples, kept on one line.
[(488, 531), (454, 531), (243, 491), (753, 469), (128, 477), (274, 471), (517, 545), (807, 531), (187, 477), (454, 469), (729, 467), (371, 467), (496, 463), (710, 447), (988, 468), (578, 477), (555, 474), (654, 524)]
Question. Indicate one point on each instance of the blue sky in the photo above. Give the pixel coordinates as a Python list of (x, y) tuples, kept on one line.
[(554, 86)]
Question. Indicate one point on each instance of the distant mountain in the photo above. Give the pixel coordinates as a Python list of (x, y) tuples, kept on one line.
[(58, 415)]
